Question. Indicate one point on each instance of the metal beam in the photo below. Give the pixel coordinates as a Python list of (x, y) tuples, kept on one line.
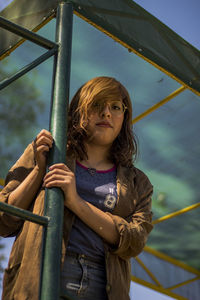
[(157, 105), (27, 68), (27, 34), (183, 283), (171, 260), (151, 275), (23, 214), (50, 283), (176, 213), (157, 288)]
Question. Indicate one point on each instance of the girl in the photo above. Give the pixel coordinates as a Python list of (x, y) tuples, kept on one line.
[(107, 215)]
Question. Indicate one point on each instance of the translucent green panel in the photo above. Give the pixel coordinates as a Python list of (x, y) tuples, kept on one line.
[(170, 147), (179, 238)]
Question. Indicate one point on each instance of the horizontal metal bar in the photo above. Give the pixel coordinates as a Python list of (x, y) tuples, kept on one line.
[(27, 34), (183, 283), (24, 214), (27, 68), (171, 260), (176, 213), (157, 288)]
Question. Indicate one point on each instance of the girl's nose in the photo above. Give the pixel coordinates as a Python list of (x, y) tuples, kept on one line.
[(106, 110)]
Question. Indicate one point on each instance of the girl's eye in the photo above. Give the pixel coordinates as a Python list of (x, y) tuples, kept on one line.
[(96, 105), (116, 106)]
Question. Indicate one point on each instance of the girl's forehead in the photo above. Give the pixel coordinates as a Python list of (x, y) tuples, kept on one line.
[(107, 98)]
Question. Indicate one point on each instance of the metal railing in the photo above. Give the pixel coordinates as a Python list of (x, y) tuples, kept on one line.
[(52, 221)]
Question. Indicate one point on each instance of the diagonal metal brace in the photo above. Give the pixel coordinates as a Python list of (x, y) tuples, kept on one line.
[(27, 68)]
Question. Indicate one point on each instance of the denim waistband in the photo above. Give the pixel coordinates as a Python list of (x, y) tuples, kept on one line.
[(98, 260)]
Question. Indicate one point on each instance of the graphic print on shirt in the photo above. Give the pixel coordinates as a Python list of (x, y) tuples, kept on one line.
[(110, 200), (110, 195)]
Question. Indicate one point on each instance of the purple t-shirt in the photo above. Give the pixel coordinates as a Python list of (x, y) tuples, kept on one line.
[(98, 188)]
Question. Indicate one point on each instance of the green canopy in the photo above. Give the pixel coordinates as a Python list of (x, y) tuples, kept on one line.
[(126, 22)]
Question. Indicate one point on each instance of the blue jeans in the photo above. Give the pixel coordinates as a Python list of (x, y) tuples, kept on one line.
[(83, 279)]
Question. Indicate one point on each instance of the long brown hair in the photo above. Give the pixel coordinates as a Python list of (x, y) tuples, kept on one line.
[(124, 148)]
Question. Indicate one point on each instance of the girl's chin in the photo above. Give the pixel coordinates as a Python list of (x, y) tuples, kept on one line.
[(100, 138), (99, 141)]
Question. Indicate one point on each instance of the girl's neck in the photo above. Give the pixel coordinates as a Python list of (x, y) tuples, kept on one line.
[(97, 157)]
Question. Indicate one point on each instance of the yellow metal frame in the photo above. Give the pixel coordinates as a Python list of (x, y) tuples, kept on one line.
[(183, 283), (151, 275), (171, 260), (158, 286), (159, 104), (177, 213)]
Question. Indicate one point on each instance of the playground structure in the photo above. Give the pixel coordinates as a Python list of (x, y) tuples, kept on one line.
[(186, 73)]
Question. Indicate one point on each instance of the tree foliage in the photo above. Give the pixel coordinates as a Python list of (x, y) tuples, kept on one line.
[(20, 106)]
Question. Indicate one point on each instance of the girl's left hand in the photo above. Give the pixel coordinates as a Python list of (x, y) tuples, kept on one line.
[(61, 176)]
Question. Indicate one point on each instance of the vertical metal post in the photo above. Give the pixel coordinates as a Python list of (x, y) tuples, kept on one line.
[(50, 283)]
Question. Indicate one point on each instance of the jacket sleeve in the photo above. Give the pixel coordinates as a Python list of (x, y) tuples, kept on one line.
[(9, 225), (134, 229)]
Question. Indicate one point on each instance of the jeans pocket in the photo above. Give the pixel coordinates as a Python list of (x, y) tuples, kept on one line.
[(83, 280), (73, 278)]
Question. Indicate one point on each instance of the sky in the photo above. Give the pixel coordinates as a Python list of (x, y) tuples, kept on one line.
[(182, 16)]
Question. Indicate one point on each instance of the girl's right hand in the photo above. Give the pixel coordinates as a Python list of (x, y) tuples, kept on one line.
[(42, 145)]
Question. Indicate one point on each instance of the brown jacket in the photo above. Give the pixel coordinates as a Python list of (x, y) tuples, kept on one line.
[(132, 217)]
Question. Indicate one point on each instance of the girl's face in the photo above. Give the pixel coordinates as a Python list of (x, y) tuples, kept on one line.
[(105, 120)]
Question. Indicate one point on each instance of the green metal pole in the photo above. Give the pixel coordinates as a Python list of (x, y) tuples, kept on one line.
[(50, 283)]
